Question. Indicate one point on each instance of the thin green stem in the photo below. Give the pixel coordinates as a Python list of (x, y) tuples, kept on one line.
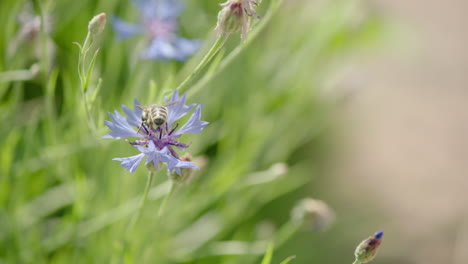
[(84, 78), (356, 262), (274, 6), (164, 203), (217, 45), (137, 217), (43, 36), (286, 232)]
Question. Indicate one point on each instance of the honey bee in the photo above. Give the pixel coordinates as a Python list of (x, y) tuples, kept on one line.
[(154, 114)]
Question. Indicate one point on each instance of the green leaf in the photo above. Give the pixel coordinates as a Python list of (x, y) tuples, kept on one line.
[(288, 259), (268, 254)]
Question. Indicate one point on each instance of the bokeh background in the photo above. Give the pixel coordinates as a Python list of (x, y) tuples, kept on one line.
[(361, 101)]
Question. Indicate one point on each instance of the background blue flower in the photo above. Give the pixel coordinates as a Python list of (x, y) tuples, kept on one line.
[(159, 23)]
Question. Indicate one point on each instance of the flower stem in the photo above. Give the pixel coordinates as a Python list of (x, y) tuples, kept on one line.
[(217, 45), (84, 78), (274, 6), (137, 217), (356, 262), (44, 67), (165, 201)]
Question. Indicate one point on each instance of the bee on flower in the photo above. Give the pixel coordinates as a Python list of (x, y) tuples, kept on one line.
[(159, 23), (157, 143)]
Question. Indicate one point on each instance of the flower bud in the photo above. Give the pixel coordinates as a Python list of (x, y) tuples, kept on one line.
[(97, 24), (186, 174), (150, 166), (313, 214), (235, 16), (367, 249)]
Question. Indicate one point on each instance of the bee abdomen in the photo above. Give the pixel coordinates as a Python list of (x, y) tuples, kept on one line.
[(159, 115)]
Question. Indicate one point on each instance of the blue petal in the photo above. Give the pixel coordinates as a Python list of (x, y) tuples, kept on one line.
[(177, 111), (160, 49), (187, 47), (131, 163), (124, 29), (193, 125), (156, 156), (164, 49), (133, 116), (182, 164), (119, 127), (159, 9)]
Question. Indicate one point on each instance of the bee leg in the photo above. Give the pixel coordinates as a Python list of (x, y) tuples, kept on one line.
[(142, 126), (172, 131), (138, 131), (160, 132), (147, 132)]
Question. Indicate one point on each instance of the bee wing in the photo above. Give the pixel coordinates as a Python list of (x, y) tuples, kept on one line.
[(143, 107), (172, 103)]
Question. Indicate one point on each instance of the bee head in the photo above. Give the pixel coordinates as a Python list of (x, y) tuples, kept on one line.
[(144, 114), (159, 121)]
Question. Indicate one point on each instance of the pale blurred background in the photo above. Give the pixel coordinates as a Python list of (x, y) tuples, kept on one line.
[(405, 127)]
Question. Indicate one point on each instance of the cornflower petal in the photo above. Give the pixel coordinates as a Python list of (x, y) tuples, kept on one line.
[(125, 29), (160, 9), (187, 47), (154, 155), (183, 164), (177, 111), (161, 49), (131, 163), (119, 127), (133, 116), (193, 125)]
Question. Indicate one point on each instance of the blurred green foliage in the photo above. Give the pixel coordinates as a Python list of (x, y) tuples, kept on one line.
[(62, 198)]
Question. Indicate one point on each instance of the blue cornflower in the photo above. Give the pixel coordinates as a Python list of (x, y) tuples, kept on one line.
[(157, 143), (159, 22)]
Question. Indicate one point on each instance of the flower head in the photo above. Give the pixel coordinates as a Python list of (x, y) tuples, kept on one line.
[(157, 144), (367, 249), (159, 23), (235, 16), (313, 214), (97, 24)]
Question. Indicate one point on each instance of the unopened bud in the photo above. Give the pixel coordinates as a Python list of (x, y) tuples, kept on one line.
[(367, 249), (186, 174), (97, 24), (313, 214), (235, 16), (150, 166)]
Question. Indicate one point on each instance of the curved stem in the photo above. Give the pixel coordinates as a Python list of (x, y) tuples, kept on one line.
[(217, 45), (137, 217), (286, 232), (165, 201), (226, 61), (356, 262)]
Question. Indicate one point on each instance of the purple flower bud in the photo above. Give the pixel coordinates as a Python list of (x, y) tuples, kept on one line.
[(367, 249)]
